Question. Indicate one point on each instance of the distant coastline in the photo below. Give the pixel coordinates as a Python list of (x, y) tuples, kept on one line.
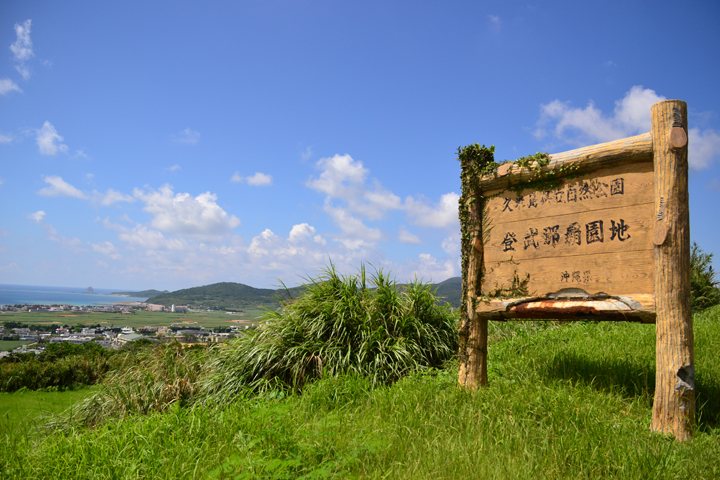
[(48, 295)]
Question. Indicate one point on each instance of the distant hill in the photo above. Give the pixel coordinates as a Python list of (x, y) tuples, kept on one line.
[(225, 296), (236, 296), (450, 290), (142, 294)]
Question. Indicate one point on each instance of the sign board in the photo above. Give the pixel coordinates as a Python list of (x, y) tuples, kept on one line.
[(593, 233), (601, 232)]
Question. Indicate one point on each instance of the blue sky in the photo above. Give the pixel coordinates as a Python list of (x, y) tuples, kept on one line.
[(174, 144)]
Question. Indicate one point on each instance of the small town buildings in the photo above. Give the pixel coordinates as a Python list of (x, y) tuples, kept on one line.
[(156, 308), (179, 309)]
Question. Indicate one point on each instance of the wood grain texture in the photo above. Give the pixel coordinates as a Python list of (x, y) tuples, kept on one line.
[(473, 329), (599, 239), (640, 307), (635, 149), (674, 403)]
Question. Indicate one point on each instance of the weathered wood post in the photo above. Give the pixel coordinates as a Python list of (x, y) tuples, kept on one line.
[(674, 404), (473, 330)]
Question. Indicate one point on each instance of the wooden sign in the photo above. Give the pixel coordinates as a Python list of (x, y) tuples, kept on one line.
[(601, 233), (592, 235)]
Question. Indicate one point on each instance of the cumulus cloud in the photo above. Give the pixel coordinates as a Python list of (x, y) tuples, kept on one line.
[(6, 138), (188, 137), (345, 179), (441, 215), (301, 252), (355, 233), (257, 180), (59, 188), (48, 140), (174, 168), (451, 245), (184, 214), (703, 146), (631, 116), (22, 48), (406, 237), (7, 86), (427, 268), (145, 238)]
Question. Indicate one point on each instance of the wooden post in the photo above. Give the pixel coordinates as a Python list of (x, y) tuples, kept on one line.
[(474, 331), (674, 404)]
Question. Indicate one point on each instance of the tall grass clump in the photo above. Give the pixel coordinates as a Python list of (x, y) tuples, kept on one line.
[(155, 379), (359, 324)]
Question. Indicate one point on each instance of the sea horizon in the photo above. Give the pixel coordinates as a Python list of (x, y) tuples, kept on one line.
[(13, 294)]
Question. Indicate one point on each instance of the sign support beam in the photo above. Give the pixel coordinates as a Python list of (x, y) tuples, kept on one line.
[(674, 403)]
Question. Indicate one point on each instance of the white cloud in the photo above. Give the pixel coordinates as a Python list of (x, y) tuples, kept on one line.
[(443, 215), (80, 154), (407, 238), (184, 214), (106, 248), (631, 116), (427, 268), (344, 179), (495, 20), (451, 245), (49, 141), (301, 252), (22, 47), (59, 188), (7, 86), (702, 147), (257, 180), (6, 138), (37, 217), (188, 137), (586, 125), (355, 233), (143, 237), (89, 177), (111, 197), (174, 168)]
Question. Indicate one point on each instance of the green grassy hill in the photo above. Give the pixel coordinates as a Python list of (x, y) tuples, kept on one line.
[(236, 296), (564, 401), (225, 295)]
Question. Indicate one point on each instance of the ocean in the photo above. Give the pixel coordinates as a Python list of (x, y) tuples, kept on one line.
[(37, 295)]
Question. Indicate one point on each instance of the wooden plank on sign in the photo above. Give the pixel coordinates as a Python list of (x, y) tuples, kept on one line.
[(637, 149), (593, 232), (609, 273)]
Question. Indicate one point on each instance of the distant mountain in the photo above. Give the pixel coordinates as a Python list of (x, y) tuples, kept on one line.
[(236, 296), (450, 290), (142, 294), (225, 296)]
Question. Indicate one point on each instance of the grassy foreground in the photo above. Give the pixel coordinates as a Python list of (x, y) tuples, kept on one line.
[(565, 401)]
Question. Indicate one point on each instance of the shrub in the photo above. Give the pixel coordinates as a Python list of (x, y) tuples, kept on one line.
[(339, 325), (704, 290)]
